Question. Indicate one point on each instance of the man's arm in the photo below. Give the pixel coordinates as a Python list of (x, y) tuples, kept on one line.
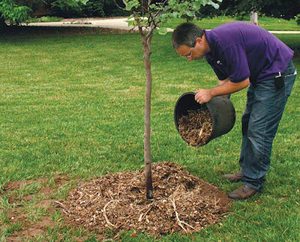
[(221, 82), (226, 87)]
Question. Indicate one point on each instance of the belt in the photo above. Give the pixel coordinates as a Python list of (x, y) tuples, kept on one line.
[(284, 74)]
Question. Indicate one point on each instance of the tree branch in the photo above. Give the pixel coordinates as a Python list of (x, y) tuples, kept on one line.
[(65, 210), (141, 31), (105, 216), (180, 222), (118, 6), (147, 211)]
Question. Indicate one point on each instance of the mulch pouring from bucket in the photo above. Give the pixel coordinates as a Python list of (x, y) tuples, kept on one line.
[(116, 202), (196, 127)]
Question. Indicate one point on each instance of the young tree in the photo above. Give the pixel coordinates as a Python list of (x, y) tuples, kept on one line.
[(148, 15)]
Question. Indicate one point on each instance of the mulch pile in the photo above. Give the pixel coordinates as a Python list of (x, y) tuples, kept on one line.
[(196, 127), (116, 202)]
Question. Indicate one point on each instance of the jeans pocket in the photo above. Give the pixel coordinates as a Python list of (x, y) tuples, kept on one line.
[(245, 123), (289, 83)]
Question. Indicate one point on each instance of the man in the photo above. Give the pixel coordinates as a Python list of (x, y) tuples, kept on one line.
[(244, 55)]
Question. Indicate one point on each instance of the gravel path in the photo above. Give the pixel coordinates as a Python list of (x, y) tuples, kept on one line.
[(110, 23)]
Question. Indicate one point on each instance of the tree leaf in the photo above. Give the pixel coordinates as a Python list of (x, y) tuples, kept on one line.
[(131, 4), (190, 13)]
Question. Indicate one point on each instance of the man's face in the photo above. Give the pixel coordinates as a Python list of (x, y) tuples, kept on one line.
[(193, 53)]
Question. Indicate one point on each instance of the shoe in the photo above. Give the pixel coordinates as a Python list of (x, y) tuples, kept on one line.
[(242, 193), (234, 177)]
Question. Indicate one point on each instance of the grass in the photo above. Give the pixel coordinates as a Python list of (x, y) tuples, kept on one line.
[(74, 105), (265, 22)]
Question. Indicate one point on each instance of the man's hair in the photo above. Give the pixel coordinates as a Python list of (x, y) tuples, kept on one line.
[(186, 34)]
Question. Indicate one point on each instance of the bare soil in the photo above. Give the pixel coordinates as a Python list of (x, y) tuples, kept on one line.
[(117, 202), (17, 214), (196, 127)]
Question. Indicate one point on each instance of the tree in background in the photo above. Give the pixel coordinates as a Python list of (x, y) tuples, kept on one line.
[(147, 16), (67, 8), (281, 9), (12, 12), (16, 11), (88, 8), (275, 8)]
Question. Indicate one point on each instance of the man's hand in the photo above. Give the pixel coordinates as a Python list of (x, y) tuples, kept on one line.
[(203, 95), (227, 87)]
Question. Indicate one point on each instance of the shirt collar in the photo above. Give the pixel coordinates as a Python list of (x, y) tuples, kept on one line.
[(211, 40)]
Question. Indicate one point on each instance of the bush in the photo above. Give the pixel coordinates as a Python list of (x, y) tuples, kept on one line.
[(15, 14), (297, 17), (70, 8), (93, 8), (45, 19), (112, 8)]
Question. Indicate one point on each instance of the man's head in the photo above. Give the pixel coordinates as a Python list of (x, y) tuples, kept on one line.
[(189, 41)]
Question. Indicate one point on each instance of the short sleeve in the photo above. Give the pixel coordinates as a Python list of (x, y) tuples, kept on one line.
[(236, 63)]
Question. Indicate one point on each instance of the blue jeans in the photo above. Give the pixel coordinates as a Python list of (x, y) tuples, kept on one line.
[(264, 108)]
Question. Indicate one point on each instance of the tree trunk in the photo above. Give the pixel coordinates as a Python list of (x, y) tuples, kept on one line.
[(147, 126), (254, 18), (2, 23)]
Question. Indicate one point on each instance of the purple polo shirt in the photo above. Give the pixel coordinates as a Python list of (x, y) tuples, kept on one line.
[(240, 51)]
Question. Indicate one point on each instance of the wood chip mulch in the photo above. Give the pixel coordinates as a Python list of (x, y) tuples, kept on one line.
[(116, 202), (196, 127)]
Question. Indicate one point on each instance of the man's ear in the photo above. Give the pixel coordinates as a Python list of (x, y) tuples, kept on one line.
[(199, 40)]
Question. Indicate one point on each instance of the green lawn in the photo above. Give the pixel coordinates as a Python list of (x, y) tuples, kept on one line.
[(73, 105), (265, 22)]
